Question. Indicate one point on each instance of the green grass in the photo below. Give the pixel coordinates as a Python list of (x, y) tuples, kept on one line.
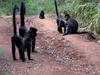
[(5, 73), (1, 51)]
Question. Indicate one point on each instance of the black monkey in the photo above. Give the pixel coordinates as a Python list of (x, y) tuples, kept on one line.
[(32, 34), (73, 27), (72, 24), (28, 36), (42, 15), (59, 20), (23, 32), (23, 42), (15, 39)]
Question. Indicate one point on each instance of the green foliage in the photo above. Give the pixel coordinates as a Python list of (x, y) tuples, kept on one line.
[(5, 73), (34, 7), (1, 51), (86, 12)]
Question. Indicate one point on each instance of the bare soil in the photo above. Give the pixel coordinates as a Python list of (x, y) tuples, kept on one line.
[(56, 54)]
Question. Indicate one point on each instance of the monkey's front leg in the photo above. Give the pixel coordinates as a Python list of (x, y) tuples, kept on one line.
[(29, 53), (33, 45)]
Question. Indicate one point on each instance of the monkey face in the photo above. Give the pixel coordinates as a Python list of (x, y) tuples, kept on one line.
[(32, 32), (66, 15)]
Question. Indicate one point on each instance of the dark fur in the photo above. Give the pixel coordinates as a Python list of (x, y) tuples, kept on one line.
[(22, 42), (22, 29), (59, 20), (73, 27), (15, 39), (70, 22), (61, 24), (23, 32), (32, 34), (42, 15)]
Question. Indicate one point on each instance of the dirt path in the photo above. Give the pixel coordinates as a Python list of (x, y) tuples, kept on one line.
[(56, 54)]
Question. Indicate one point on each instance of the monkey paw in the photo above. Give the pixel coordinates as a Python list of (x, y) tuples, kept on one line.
[(30, 59)]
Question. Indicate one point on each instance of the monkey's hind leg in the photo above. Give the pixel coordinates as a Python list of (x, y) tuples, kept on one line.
[(13, 48), (28, 45), (22, 54)]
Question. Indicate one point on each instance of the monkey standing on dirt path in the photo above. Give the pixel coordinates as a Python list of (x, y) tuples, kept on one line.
[(32, 34), (15, 39), (23, 32), (27, 35), (23, 42), (41, 16)]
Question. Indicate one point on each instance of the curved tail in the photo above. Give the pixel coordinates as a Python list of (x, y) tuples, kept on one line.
[(22, 13), (91, 34), (14, 19)]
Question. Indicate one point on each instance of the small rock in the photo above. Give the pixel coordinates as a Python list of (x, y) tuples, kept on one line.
[(98, 41)]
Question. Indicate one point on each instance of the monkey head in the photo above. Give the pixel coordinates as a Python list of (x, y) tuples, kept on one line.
[(66, 15), (32, 32)]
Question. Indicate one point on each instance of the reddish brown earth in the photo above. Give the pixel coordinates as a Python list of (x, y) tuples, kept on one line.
[(56, 54)]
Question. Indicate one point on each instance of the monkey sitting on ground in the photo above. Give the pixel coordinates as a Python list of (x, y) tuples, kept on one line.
[(73, 27), (27, 35), (72, 24), (42, 13)]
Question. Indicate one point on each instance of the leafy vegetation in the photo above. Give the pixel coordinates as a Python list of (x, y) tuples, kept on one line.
[(1, 51), (87, 12), (5, 73)]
